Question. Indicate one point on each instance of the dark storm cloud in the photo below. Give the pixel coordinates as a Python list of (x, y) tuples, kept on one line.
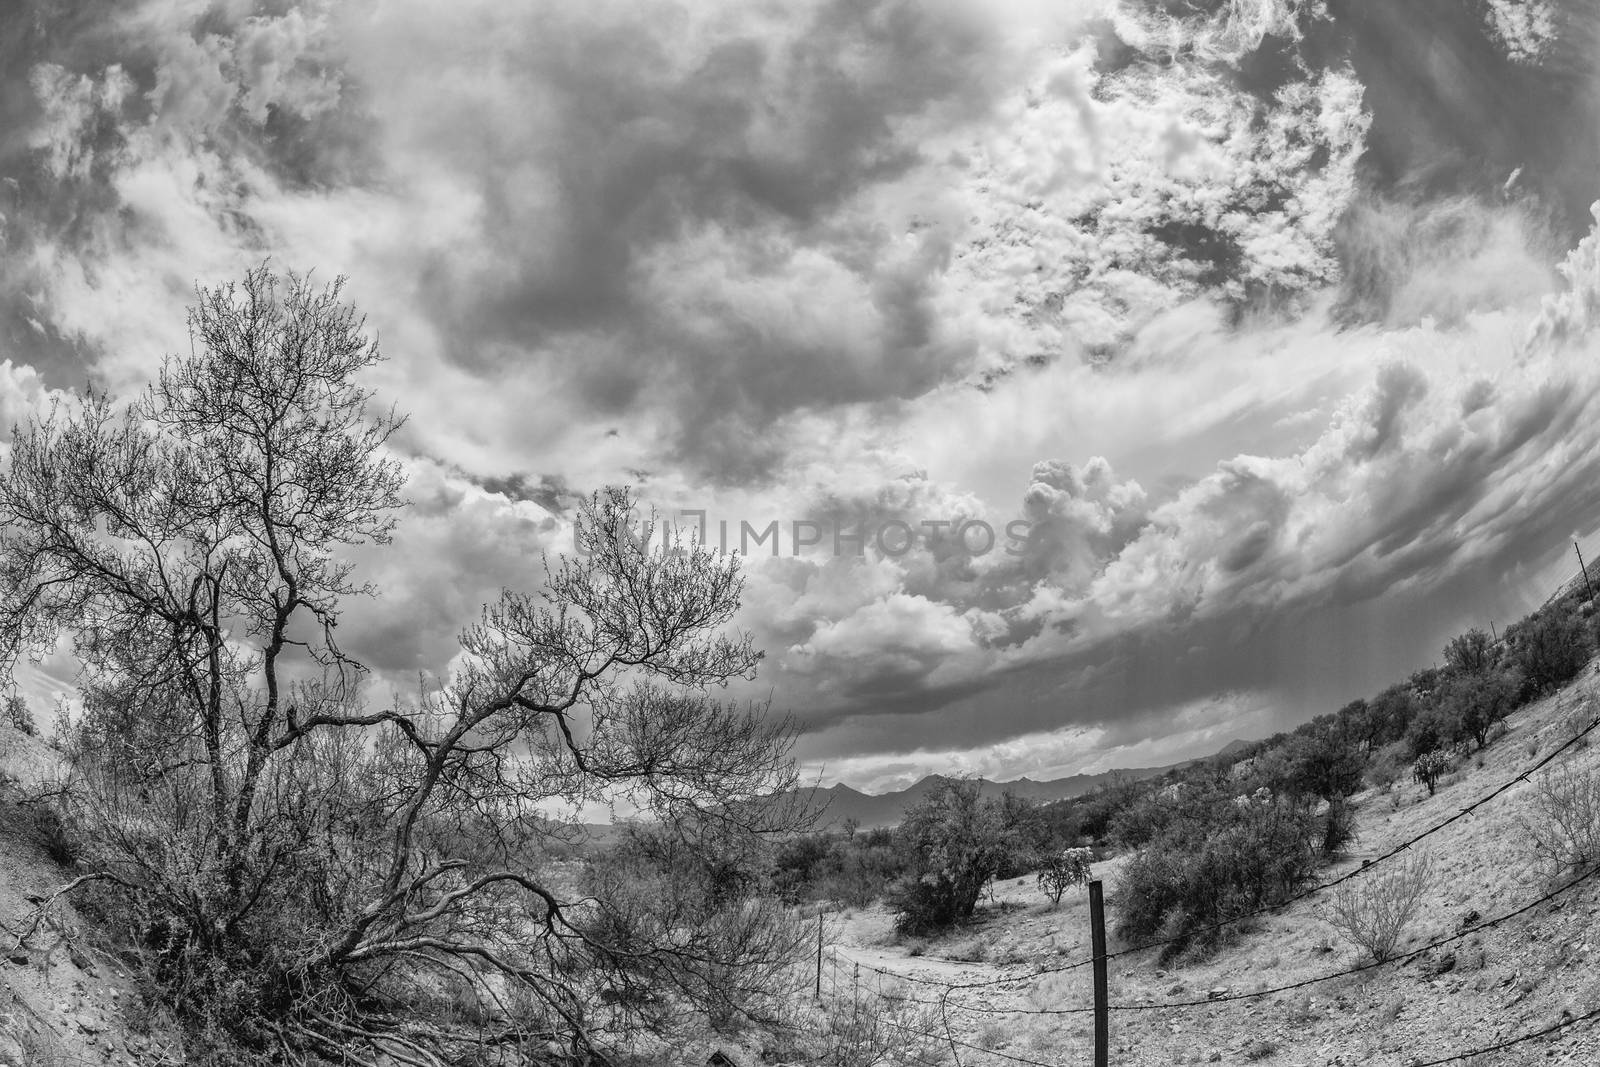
[(670, 207)]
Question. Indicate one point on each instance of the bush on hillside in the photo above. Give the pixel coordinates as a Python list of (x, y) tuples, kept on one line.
[(1470, 653), (1563, 821), (1325, 765), (1549, 647), (1474, 704), (1430, 767), (19, 716), (1434, 728), (1373, 910), (1063, 870), (954, 842), (853, 868), (1389, 714), (1238, 857)]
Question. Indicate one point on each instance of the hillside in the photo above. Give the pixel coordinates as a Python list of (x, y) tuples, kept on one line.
[(1535, 970), (62, 1000)]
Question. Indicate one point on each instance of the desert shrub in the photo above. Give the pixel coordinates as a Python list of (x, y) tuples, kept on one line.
[(1323, 764), (660, 878), (1094, 816), (1474, 704), (1063, 870), (953, 842), (1433, 728), (1563, 821), (797, 864), (1430, 767), (854, 868), (39, 817), (1469, 653), (1576, 723), (297, 866), (1144, 819), (1338, 827), (1231, 859), (1373, 910), (1549, 648), (18, 716), (1387, 765), (869, 1029)]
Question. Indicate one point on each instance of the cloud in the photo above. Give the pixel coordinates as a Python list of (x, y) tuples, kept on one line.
[(1236, 310)]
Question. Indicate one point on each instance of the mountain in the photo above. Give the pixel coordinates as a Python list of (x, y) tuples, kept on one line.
[(871, 810), (840, 802)]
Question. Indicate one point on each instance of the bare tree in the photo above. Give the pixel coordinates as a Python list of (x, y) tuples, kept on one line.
[(305, 869)]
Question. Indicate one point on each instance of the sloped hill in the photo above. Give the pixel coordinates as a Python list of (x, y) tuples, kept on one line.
[(1535, 970), (63, 1001)]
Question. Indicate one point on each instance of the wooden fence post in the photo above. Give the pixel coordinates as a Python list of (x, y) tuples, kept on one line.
[(819, 957), (1102, 1014)]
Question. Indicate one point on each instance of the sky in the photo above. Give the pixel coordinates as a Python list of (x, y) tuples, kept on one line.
[(1123, 378)]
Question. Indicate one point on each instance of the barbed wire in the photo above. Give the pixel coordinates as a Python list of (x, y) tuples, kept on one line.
[(1533, 1036)]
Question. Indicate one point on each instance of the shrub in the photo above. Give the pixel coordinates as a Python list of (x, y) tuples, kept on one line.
[(1230, 859), (1386, 766), (1324, 765), (1430, 767), (1577, 721), (868, 1029), (1549, 647), (1389, 714), (1476, 703), (1433, 728), (19, 716), (954, 843), (1063, 870), (1338, 827), (1563, 825), (1372, 911), (302, 868), (1470, 653)]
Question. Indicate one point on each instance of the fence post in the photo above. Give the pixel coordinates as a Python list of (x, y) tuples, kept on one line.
[(1102, 1014), (819, 957), (1584, 569)]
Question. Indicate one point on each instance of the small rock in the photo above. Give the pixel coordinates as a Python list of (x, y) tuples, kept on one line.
[(1218, 993), (19, 958)]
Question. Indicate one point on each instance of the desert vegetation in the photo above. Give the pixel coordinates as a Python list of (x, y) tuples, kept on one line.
[(299, 873)]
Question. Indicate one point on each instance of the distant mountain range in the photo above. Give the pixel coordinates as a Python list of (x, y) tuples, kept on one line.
[(871, 810)]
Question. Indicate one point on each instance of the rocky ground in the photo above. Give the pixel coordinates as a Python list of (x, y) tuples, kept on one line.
[(62, 1000), (1533, 971)]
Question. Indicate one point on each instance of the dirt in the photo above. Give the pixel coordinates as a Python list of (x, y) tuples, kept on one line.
[(63, 1001)]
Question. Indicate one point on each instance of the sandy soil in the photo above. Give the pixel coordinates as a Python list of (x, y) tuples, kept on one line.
[(62, 1001)]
